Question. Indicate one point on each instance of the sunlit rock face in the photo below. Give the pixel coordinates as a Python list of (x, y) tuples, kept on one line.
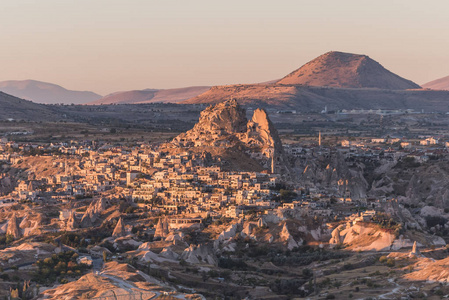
[(225, 126)]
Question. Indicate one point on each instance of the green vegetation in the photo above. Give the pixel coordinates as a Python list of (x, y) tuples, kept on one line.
[(58, 267)]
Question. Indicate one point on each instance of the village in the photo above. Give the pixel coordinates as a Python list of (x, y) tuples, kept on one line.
[(169, 208)]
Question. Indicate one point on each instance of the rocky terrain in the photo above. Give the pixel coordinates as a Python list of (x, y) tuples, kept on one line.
[(225, 126), (314, 99)]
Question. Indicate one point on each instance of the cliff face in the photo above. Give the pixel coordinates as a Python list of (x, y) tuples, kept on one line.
[(216, 122), (225, 126)]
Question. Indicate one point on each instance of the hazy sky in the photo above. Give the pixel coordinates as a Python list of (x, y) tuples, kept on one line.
[(112, 45)]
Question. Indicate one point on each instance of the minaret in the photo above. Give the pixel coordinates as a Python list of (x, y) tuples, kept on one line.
[(272, 164), (319, 138)]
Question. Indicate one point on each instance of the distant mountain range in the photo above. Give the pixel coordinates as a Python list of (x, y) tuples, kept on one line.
[(438, 84), (152, 96), (335, 79), (46, 93)]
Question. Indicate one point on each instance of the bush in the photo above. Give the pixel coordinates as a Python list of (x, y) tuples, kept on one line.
[(383, 259)]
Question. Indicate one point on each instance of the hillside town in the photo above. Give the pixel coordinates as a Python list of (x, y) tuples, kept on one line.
[(192, 206)]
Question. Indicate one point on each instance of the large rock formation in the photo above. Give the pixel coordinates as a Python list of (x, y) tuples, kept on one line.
[(225, 126)]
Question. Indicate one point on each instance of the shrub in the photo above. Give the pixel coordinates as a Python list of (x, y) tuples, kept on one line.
[(383, 259)]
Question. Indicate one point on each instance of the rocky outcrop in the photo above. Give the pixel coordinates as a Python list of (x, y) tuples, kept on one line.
[(363, 237), (168, 253), (285, 236), (216, 123), (199, 254), (225, 126), (429, 270), (162, 229), (119, 229), (173, 237), (13, 228), (415, 251), (229, 232), (72, 222), (333, 172), (93, 212), (336, 238)]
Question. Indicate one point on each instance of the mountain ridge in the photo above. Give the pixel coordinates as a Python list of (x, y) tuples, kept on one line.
[(45, 92), (152, 96)]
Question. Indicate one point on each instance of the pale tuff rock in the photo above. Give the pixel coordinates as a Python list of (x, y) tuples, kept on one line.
[(93, 212), (172, 237), (285, 236), (31, 224), (261, 132), (363, 238), (230, 247), (224, 119), (228, 233), (145, 246), (336, 238), (430, 271), (13, 229), (119, 229), (72, 223), (88, 219), (247, 229), (291, 243), (199, 254), (225, 125), (162, 228), (124, 242), (150, 256), (415, 251), (401, 242), (168, 253)]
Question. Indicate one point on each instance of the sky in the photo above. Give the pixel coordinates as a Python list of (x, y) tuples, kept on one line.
[(115, 45)]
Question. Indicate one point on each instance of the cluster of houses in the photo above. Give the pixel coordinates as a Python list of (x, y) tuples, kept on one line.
[(171, 184)]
